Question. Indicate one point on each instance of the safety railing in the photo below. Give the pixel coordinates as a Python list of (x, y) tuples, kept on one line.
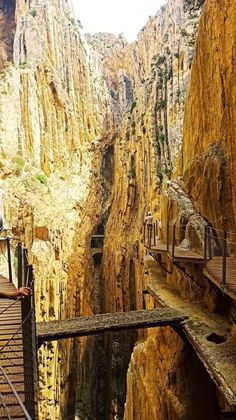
[(149, 234), (172, 236), (219, 255), (18, 352), (11, 405)]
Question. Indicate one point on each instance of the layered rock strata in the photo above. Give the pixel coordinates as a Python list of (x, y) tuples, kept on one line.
[(55, 116)]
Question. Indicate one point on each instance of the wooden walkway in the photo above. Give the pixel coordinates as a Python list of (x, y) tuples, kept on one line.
[(180, 254), (78, 327), (218, 359), (213, 272), (11, 355)]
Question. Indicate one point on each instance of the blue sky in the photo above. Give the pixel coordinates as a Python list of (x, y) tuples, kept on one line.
[(116, 16)]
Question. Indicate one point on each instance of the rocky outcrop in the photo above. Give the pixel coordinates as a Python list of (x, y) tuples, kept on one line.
[(172, 385)]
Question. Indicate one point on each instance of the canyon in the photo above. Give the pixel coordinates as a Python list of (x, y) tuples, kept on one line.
[(96, 132)]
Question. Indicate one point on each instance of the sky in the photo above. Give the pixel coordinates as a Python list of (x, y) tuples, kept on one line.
[(115, 16)]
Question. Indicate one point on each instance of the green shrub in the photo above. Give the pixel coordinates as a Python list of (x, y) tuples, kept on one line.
[(134, 104), (183, 32), (19, 164), (161, 105), (33, 12), (162, 138), (113, 94), (42, 179), (23, 64), (133, 124), (144, 130), (161, 60), (167, 172), (193, 16), (127, 136)]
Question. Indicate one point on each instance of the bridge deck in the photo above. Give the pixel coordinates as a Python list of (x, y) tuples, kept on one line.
[(77, 327)]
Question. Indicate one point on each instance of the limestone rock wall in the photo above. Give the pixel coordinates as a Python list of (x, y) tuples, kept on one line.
[(148, 83), (55, 113), (172, 385), (209, 127)]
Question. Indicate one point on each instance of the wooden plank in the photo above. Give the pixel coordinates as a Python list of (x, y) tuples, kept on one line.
[(78, 327), (213, 272), (180, 254)]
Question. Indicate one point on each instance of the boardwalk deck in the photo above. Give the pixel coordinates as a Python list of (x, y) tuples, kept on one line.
[(180, 254), (11, 356), (77, 327), (213, 272), (218, 359)]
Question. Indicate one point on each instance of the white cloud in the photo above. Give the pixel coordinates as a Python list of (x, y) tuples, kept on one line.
[(115, 16)]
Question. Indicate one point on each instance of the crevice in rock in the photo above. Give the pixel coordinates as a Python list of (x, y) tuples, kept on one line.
[(7, 30)]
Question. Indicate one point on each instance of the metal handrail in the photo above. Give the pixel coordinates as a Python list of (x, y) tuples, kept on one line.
[(218, 247), (5, 406), (26, 414)]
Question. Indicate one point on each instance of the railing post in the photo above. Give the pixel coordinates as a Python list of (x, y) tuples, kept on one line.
[(25, 263), (144, 233), (209, 243), (167, 237), (9, 259), (205, 246), (150, 235), (224, 255), (173, 242), (30, 349), (19, 267)]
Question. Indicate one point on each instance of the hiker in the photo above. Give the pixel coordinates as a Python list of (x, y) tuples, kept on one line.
[(148, 222), (21, 292)]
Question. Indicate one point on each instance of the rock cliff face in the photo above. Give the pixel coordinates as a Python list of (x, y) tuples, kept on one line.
[(55, 120), (94, 133)]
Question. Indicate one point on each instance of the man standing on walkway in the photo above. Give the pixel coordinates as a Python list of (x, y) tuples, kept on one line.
[(148, 222)]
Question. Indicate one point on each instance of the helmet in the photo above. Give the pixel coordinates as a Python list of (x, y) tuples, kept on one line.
[(149, 213)]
